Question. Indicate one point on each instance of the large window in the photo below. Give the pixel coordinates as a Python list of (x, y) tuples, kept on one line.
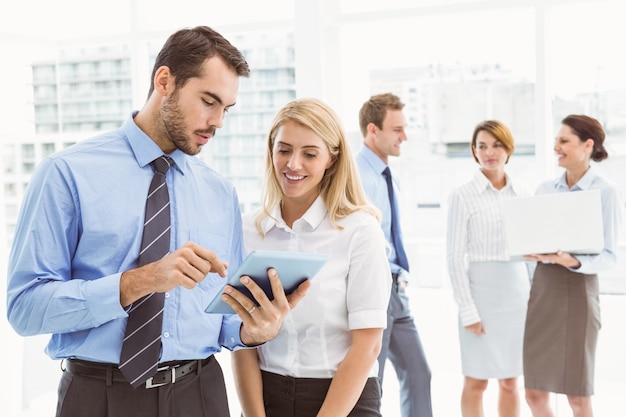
[(456, 66), (455, 63), (452, 69)]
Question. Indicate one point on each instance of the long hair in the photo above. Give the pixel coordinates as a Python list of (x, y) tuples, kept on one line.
[(340, 186), (186, 50)]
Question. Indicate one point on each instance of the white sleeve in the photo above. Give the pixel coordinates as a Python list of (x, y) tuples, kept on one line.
[(456, 257)]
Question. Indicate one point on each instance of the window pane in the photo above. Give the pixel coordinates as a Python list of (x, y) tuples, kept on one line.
[(452, 70)]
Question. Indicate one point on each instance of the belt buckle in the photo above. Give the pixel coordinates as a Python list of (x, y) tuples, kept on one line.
[(149, 383)]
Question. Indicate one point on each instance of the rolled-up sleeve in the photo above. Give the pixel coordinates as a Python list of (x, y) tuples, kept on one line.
[(369, 278)]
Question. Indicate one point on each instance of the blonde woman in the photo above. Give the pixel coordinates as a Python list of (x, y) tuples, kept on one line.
[(491, 291), (323, 361)]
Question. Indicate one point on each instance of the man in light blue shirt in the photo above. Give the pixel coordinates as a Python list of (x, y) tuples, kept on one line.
[(383, 124), (73, 269)]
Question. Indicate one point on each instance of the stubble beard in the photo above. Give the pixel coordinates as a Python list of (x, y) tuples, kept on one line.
[(174, 125)]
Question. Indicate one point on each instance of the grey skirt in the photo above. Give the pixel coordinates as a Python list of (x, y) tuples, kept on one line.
[(562, 327), (500, 291)]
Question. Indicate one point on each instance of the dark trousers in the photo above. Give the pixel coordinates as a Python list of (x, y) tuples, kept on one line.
[(303, 397), (200, 394), (403, 347)]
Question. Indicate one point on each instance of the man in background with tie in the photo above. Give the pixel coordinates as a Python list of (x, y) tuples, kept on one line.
[(122, 241), (383, 125)]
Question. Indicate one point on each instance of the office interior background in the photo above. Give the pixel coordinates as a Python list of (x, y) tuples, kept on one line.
[(72, 69)]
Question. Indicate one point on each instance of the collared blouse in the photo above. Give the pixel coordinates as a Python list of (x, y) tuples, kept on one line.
[(350, 292), (475, 233)]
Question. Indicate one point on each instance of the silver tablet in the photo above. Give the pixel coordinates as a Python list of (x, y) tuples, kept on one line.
[(292, 267)]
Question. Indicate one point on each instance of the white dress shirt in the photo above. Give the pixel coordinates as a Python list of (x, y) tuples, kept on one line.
[(350, 292), (475, 234)]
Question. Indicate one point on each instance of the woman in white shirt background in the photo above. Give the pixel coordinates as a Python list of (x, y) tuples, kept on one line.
[(323, 361), (490, 290), (563, 320)]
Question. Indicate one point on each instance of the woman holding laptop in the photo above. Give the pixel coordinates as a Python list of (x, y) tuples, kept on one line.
[(323, 361), (563, 318), (491, 291)]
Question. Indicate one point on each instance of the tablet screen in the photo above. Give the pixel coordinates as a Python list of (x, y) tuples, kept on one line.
[(292, 267)]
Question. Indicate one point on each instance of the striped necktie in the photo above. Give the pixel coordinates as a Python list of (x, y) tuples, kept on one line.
[(401, 258), (142, 342)]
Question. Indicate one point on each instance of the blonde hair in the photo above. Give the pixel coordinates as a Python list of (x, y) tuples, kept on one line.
[(340, 187)]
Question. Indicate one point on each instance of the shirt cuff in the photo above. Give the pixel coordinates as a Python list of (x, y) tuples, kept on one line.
[(367, 319), (103, 298), (469, 315), (231, 332)]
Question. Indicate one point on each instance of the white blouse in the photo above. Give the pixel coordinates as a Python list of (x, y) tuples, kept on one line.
[(475, 233), (350, 292)]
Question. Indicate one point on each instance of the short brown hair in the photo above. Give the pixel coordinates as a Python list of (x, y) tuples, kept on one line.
[(500, 131), (186, 50), (375, 109)]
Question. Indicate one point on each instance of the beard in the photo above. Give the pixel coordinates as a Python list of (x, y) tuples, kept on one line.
[(174, 124)]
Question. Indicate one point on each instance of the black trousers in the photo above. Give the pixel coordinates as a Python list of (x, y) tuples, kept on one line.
[(303, 397), (200, 394)]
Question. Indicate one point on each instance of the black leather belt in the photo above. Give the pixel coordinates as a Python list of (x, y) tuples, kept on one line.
[(168, 373)]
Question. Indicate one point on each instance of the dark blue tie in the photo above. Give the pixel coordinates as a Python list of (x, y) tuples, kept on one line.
[(401, 259), (142, 342)]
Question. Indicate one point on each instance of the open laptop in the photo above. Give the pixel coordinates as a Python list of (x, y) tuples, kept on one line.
[(546, 223)]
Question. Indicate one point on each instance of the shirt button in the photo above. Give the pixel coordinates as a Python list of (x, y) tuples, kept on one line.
[(167, 295), (166, 334)]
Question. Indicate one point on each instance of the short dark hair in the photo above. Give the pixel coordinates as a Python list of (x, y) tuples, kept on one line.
[(375, 109), (186, 50)]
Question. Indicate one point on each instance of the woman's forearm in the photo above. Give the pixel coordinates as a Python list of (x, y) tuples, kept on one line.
[(248, 382), (352, 374)]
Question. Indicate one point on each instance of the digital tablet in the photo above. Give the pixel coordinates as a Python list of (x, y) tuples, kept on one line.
[(293, 268)]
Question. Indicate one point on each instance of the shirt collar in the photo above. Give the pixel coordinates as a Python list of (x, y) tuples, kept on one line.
[(372, 159), (482, 183), (583, 184), (145, 149), (313, 216)]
